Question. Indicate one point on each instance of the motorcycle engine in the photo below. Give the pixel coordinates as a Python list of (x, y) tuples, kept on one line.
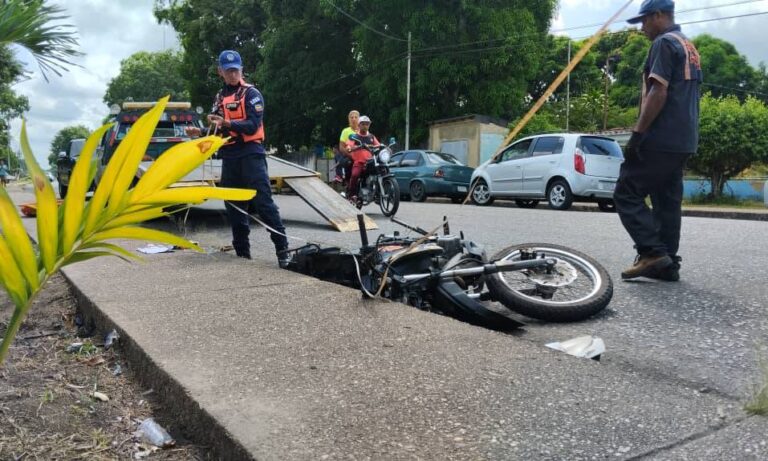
[(366, 194)]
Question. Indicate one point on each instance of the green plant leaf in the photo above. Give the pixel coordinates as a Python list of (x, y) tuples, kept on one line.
[(21, 253)]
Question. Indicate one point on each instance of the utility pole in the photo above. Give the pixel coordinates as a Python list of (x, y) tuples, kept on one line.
[(408, 99), (568, 94)]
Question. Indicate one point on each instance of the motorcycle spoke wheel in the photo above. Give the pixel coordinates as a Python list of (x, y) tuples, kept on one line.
[(575, 289), (389, 197)]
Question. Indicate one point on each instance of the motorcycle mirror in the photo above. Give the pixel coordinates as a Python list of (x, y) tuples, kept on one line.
[(392, 141), (62, 154)]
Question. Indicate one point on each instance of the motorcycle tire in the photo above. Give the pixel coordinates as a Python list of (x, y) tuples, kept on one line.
[(389, 197), (537, 295)]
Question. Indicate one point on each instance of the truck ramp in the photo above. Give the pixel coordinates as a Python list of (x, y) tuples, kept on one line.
[(341, 214)]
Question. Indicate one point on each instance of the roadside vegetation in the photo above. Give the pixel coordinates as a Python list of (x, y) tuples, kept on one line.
[(758, 405)]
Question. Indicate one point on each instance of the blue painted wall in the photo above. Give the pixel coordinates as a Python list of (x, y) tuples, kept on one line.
[(741, 188)]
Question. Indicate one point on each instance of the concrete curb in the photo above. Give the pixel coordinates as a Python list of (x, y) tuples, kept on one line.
[(191, 419)]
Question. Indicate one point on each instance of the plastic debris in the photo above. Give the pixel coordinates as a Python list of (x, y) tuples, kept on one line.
[(74, 348), (153, 433), (588, 347), (154, 248), (118, 370), (110, 339), (100, 396), (143, 451)]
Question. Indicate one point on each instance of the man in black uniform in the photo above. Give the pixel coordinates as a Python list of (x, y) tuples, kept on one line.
[(238, 112), (666, 134)]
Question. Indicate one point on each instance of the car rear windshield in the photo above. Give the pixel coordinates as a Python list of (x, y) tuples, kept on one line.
[(162, 130), (441, 158), (600, 146)]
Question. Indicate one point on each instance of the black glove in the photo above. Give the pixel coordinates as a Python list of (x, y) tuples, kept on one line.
[(632, 148)]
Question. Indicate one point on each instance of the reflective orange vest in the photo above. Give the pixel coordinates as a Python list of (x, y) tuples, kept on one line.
[(233, 108)]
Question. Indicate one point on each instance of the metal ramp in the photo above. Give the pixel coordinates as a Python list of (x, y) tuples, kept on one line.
[(305, 182)]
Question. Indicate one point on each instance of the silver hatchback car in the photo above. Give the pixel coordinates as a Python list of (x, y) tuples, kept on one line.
[(560, 168)]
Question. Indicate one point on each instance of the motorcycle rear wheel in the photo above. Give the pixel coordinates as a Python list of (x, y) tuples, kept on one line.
[(389, 197), (578, 288)]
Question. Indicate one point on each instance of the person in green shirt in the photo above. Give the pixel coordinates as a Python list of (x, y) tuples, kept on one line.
[(343, 161)]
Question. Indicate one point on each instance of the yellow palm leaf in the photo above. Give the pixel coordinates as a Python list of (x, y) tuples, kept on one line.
[(79, 182), (142, 130), (176, 163), (47, 207), (22, 253), (139, 233), (11, 276), (136, 217), (195, 195), (113, 248), (138, 136)]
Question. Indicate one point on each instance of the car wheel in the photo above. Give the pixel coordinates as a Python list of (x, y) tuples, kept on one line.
[(418, 192), (607, 206), (559, 195), (62, 190), (481, 194), (526, 203)]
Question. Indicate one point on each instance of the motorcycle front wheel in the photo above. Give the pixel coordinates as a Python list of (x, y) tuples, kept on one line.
[(577, 288), (389, 196)]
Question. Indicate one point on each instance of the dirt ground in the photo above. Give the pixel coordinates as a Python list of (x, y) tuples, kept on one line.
[(48, 410)]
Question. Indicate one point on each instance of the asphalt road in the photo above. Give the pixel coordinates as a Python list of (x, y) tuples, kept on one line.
[(707, 332)]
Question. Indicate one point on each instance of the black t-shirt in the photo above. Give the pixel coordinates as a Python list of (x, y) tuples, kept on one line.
[(674, 62)]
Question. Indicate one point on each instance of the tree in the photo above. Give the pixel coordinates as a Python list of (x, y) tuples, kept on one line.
[(60, 142), (206, 28), (733, 135), (146, 76), (11, 104), (30, 24), (588, 75), (470, 56), (725, 70)]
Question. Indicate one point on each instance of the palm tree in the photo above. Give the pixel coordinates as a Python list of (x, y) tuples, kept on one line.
[(30, 24)]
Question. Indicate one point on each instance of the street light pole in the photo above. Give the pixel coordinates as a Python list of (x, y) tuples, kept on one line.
[(568, 94), (408, 99)]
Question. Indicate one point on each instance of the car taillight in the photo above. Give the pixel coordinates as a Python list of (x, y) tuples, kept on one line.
[(439, 173), (579, 162)]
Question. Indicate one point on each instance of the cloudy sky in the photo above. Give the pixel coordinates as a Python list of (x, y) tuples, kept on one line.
[(112, 30)]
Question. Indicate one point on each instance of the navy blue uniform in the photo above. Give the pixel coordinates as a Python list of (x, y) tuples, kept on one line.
[(657, 169), (244, 165)]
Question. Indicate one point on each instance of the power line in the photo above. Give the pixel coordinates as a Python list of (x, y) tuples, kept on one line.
[(459, 45), (364, 24), (740, 90)]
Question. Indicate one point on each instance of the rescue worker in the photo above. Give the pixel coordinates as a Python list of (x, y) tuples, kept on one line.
[(356, 148), (238, 112), (665, 136)]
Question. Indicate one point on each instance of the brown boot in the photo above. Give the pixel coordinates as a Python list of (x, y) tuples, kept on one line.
[(647, 266)]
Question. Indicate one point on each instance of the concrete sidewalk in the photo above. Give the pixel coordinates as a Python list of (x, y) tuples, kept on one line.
[(261, 363)]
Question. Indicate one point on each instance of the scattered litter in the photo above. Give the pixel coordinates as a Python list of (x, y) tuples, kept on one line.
[(75, 387), (93, 361), (588, 347), (153, 433), (154, 248), (142, 451), (226, 248), (111, 337), (74, 348), (150, 391), (118, 370), (100, 396)]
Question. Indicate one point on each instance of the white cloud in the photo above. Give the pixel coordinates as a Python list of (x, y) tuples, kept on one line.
[(109, 31)]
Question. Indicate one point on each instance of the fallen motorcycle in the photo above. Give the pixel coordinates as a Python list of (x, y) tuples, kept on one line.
[(453, 276)]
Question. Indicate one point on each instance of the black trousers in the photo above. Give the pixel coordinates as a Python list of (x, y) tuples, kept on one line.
[(660, 176), (250, 172)]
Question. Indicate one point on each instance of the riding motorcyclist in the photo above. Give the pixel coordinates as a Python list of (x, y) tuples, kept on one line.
[(358, 150)]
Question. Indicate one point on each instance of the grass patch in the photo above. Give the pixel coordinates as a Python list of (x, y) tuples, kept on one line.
[(723, 201), (758, 405)]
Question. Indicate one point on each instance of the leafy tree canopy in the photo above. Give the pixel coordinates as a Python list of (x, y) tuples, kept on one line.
[(12, 105), (60, 142), (148, 76), (733, 135)]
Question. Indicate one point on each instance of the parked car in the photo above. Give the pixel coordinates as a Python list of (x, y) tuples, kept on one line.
[(65, 162), (559, 168), (422, 173)]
